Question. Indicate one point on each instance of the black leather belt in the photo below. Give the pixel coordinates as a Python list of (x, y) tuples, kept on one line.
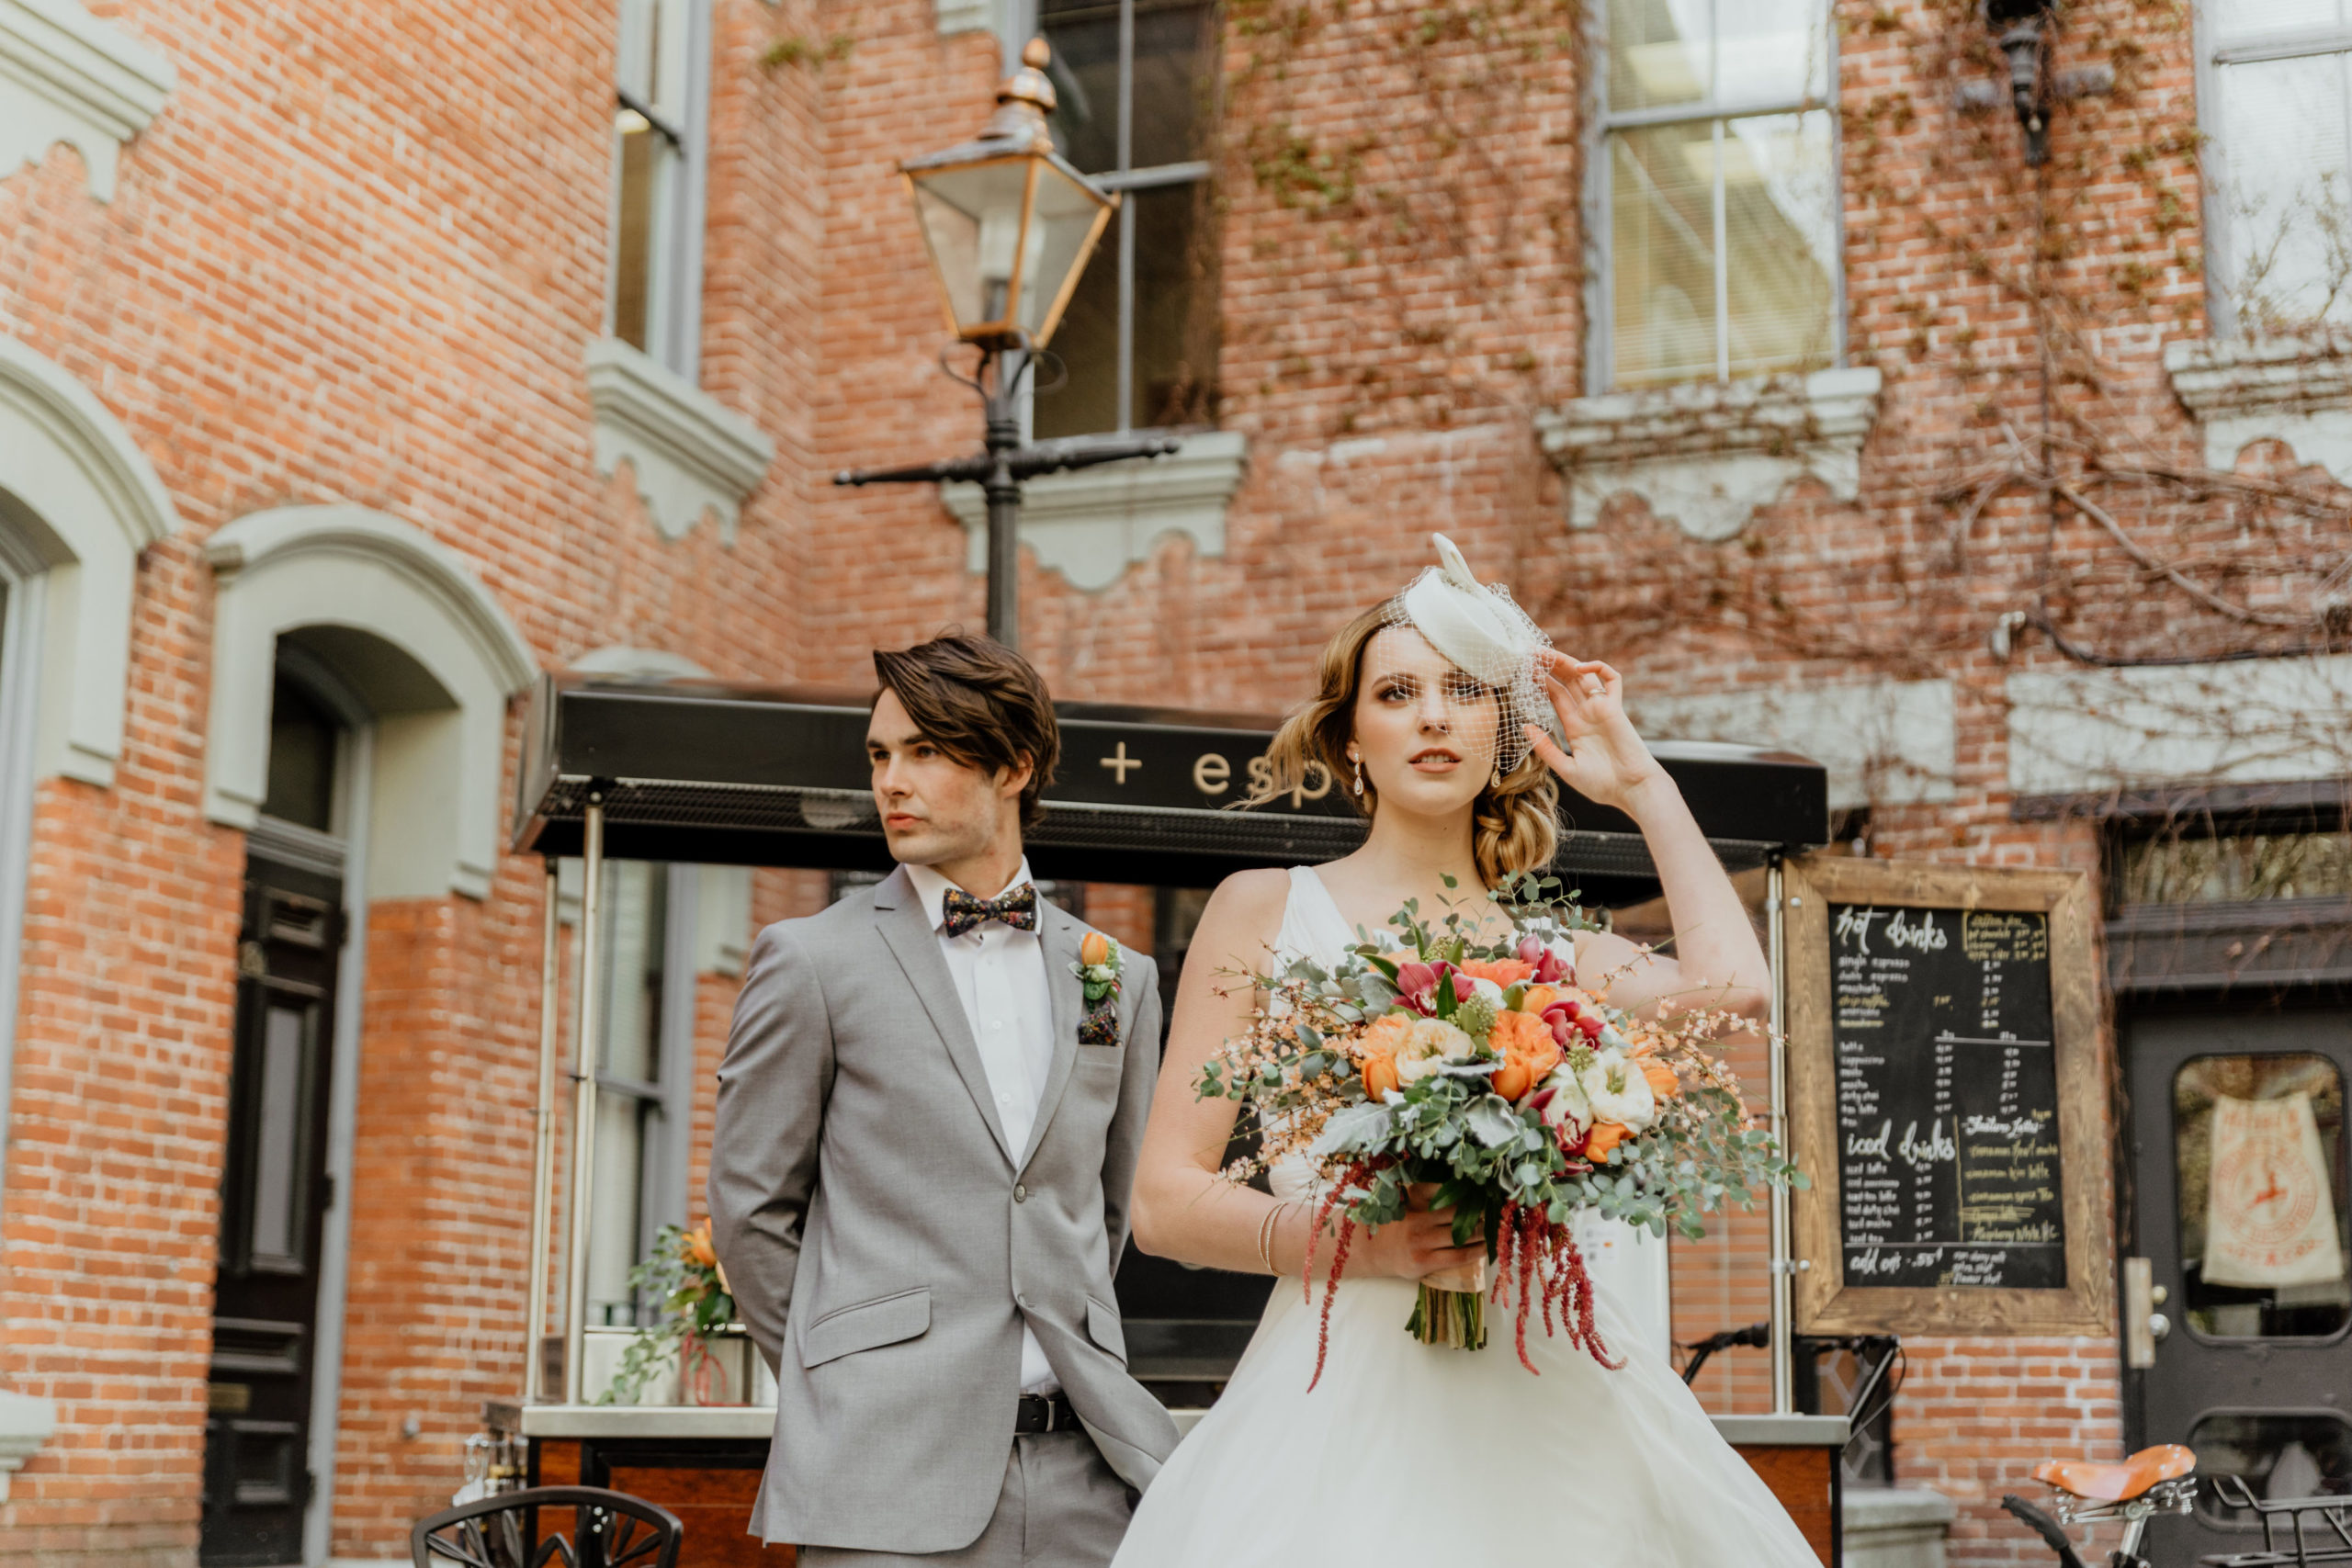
[(1045, 1413)]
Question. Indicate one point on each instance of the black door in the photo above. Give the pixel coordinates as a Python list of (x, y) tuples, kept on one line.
[(274, 1197), (2239, 1204)]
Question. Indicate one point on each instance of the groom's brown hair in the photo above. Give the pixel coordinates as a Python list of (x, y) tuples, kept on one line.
[(981, 702)]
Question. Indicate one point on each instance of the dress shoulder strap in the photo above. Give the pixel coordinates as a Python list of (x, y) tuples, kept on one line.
[(1312, 924)]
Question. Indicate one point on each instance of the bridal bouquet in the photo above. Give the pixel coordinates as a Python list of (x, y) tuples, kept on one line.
[(1475, 1061)]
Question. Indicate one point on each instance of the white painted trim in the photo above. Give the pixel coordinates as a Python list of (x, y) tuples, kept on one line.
[(20, 640), (689, 453), (2078, 731), (87, 501), (1883, 743), (66, 76), (1090, 525), (1707, 454), (26, 1422), (2295, 389), (641, 662), (343, 1124), (343, 566), (968, 16)]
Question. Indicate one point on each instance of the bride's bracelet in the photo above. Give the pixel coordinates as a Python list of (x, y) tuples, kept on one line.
[(1266, 1237)]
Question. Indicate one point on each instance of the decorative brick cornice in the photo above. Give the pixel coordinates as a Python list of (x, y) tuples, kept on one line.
[(1090, 525), (690, 453), (2295, 389), (66, 76), (1707, 454)]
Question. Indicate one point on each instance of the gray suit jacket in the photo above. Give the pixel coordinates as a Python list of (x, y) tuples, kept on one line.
[(885, 1244)]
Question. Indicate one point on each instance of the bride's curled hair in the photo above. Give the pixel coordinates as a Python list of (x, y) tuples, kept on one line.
[(1515, 824)]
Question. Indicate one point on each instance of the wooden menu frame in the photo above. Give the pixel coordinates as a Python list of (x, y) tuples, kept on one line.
[(1825, 1303)]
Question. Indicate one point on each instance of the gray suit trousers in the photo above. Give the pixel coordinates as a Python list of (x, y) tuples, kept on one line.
[(1062, 1506)]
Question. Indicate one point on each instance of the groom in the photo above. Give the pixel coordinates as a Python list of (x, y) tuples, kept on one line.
[(919, 1177)]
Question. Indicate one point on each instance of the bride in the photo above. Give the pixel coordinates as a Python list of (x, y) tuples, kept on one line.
[(1406, 1453)]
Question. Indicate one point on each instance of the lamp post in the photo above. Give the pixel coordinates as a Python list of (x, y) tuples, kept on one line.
[(1009, 225)]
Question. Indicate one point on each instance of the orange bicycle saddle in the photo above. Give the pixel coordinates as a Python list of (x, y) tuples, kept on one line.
[(2116, 1483)]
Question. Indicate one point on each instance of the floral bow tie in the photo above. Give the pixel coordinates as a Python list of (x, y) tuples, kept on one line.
[(962, 912)]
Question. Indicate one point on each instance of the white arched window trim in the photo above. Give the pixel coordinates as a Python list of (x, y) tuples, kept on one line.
[(87, 502), (439, 753)]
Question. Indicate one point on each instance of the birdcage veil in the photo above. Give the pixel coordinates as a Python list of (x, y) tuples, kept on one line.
[(1484, 634)]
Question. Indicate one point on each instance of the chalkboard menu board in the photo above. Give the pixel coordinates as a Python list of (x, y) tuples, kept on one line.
[(1948, 1157), (1944, 1099)]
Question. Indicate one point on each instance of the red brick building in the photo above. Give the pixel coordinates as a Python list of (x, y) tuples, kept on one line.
[(358, 364)]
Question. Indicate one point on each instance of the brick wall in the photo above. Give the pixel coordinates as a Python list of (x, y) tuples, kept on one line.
[(358, 258)]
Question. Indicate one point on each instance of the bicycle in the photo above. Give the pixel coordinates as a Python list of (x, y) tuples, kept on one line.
[(2154, 1481)]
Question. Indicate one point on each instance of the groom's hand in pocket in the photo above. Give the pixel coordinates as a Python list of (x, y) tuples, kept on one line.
[(1421, 1247)]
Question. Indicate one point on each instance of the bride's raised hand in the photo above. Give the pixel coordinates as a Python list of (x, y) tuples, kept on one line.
[(1605, 761)]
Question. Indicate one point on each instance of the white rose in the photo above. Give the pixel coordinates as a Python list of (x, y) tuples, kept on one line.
[(1569, 1110), (1426, 1049), (1489, 991), (1619, 1091)]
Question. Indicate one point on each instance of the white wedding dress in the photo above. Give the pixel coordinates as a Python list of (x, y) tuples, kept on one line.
[(1420, 1455)]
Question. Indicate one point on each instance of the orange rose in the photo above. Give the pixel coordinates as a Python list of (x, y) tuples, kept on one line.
[(1528, 1050), (1663, 1083), (1605, 1136), (1376, 1053), (698, 1246), (1538, 999), (1503, 971), (1094, 949)]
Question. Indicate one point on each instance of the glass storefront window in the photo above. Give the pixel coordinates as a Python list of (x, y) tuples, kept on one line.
[(2280, 1454), (631, 1120), (2238, 868), (2259, 1153)]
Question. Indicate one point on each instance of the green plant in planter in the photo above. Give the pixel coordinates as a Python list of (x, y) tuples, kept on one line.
[(683, 1275)]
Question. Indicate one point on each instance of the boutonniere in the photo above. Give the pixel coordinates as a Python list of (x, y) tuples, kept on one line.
[(1099, 962)]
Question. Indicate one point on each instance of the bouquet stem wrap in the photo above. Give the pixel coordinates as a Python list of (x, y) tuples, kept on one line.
[(1455, 1318)]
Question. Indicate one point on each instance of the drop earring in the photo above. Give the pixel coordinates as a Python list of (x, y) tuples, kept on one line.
[(1497, 782), (1359, 773)]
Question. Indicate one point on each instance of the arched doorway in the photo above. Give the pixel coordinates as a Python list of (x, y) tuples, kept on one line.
[(360, 679)]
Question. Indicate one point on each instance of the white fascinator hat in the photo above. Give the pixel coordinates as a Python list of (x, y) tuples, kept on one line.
[(1478, 629)]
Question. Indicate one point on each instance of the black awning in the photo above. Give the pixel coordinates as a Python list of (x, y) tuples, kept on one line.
[(718, 773)]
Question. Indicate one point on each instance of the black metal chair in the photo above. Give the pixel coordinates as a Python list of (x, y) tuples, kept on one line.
[(609, 1530)]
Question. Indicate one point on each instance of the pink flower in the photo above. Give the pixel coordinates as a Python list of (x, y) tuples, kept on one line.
[(1416, 984), (1417, 987), (1562, 1016), (1550, 968)]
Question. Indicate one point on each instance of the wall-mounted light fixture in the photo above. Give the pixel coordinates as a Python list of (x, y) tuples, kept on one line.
[(2021, 29)]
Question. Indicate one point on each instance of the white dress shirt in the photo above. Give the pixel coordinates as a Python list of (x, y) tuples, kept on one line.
[(1000, 976)]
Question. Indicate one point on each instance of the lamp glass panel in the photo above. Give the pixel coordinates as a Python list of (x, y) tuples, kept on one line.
[(1662, 252), (1060, 227), (1661, 51), (1176, 314), (1781, 243), (2286, 199), (1084, 70), (970, 215), (1087, 342), (1769, 51)]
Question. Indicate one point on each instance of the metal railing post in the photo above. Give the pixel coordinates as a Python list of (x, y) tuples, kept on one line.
[(584, 1103), (543, 1145), (1784, 1346)]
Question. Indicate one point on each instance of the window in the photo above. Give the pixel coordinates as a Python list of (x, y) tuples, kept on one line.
[(2258, 1159), (658, 135), (1718, 191), (1136, 83), (644, 1077), (2278, 87)]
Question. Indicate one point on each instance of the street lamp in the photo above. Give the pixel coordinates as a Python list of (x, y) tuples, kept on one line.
[(1009, 225)]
